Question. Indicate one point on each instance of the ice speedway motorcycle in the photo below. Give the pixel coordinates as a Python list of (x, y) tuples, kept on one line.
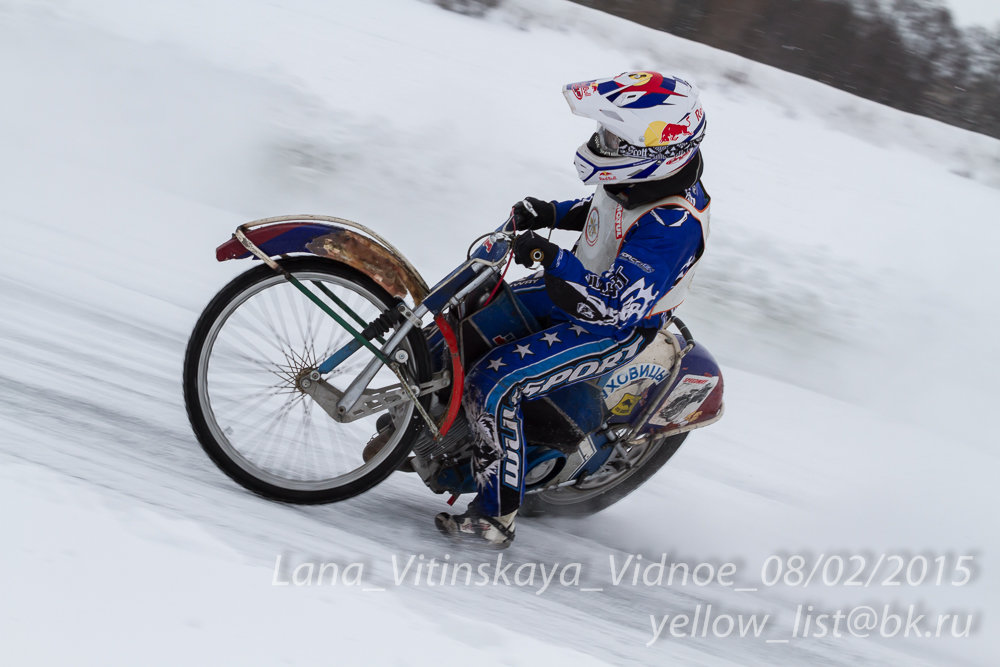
[(313, 376)]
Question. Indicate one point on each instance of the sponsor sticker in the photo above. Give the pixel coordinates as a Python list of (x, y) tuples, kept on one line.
[(626, 405), (592, 227), (583, 89), (629, 378), (683, 406)]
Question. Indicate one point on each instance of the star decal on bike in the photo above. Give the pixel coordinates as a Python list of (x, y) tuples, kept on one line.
[(551, 338), (523, 350), (578, 329), (495, 364)]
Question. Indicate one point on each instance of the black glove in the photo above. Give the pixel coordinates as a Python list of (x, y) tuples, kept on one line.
[(531, 213), (530, 248)]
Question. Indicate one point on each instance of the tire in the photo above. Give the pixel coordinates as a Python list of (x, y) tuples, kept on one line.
[(583, 500), (242, 361)]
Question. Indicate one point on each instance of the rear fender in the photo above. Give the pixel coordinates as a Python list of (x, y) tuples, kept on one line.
[(695, 399), (336, 239)]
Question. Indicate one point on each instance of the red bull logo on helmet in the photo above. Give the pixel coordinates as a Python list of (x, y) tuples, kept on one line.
[(672, 132), (662, 133)]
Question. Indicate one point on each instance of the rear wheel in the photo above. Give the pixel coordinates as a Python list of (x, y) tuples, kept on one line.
[(248, 350), (617, 478)]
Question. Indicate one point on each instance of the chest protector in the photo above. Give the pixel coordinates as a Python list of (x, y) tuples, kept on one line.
[(608, 222)]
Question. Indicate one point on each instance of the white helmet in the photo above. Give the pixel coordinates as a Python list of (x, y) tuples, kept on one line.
[(649, 126)]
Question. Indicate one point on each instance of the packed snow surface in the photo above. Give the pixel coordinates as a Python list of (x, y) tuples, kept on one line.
[(849, 291)]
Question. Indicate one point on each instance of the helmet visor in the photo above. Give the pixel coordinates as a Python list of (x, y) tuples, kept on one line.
[(606, 142)]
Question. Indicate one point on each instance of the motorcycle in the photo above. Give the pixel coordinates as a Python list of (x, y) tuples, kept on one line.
[(313, 376)]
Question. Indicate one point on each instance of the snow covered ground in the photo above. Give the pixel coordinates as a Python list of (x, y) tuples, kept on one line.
[(850, 292)]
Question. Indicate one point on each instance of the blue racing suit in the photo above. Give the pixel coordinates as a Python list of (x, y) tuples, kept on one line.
[(599, 306)]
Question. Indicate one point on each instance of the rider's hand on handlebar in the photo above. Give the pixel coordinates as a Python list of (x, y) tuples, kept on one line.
[(531, 248), (531, 213)]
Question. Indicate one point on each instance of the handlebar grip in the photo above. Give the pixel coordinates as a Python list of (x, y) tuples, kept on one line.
[(537, 255)]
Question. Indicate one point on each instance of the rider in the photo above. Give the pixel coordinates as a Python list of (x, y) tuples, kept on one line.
[(643, 232)]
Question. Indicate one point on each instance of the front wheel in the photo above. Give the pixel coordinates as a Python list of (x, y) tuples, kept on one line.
[(248, 350), (618, 477)]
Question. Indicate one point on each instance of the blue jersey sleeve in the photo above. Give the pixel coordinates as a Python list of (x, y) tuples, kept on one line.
[(654, 256), (572, 213)]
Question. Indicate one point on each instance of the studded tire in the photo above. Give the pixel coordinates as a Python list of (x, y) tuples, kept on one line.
[(247, 350)]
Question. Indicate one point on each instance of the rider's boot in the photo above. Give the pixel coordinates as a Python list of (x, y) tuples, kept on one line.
[(495, 532)]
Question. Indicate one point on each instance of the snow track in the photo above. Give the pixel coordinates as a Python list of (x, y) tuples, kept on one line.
[(135, 141)]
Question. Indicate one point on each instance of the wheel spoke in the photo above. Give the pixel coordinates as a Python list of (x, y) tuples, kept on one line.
[(260, 344)]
